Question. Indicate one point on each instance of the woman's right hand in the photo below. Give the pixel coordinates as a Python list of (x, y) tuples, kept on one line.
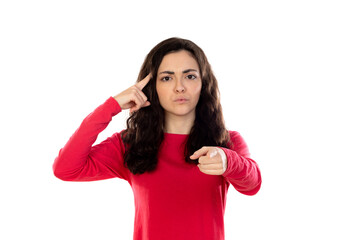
[(133, 98)]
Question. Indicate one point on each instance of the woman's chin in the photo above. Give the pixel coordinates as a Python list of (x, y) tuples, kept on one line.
[(181, 112)]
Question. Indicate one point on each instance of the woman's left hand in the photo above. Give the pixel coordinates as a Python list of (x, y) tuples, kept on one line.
[(212, 160)]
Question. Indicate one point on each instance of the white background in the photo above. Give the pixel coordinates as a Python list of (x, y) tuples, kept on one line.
[(288, 74)]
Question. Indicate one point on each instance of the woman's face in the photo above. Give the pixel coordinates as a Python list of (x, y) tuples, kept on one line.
[(178, 84)]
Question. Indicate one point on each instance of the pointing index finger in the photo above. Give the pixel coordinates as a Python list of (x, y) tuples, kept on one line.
[(201, 152), (144, 81)]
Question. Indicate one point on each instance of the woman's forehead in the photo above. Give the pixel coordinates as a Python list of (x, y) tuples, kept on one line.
[(178, 61)]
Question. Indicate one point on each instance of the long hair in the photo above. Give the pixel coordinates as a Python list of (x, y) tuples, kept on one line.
[(145, 127)]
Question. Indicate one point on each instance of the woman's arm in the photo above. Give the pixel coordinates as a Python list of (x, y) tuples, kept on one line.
[(242, 172), (234, 164), (78, 160)]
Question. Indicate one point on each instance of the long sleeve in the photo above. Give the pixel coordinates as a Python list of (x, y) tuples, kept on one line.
[(242, 172), (78, 160)]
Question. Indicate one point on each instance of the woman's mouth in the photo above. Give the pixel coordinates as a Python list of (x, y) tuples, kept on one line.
[(181, 100)]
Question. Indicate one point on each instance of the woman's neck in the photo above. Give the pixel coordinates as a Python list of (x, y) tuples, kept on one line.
[(178, 124)]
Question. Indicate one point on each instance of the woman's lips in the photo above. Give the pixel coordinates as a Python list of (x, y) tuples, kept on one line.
[(181, 100)]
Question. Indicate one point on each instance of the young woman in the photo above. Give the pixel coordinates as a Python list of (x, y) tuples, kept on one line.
[(175, 153)]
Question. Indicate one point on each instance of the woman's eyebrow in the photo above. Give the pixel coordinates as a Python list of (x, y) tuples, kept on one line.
[(167, 72), (189, 70), (185, 71)]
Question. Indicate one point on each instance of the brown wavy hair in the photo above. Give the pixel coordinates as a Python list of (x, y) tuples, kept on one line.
[(145, 128)]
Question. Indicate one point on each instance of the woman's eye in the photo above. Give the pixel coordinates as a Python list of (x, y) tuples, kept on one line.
[(192, 77), (165, 79)]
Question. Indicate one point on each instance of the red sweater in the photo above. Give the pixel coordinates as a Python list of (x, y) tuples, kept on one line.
[(176, 201)]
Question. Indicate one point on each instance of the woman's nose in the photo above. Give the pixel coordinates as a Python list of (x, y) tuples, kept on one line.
[(179, 88)]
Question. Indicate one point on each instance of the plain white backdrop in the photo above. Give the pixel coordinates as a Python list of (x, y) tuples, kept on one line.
[(288, 74)]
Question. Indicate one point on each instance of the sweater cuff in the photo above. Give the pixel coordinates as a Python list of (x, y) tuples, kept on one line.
[(113, 105), (235, 164)]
